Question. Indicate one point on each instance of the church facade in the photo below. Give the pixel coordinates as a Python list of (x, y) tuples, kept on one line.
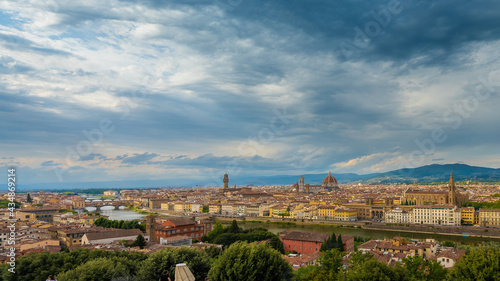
[(329, 184), (450, 197)]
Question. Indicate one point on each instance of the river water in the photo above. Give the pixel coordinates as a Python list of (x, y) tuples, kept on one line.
[(375, 234), (122, 214)]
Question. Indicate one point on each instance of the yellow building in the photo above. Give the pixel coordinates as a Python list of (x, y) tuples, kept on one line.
[(214, 208), (316, 203), (88, 219), (489, 217), (467, 215), (346, 214), (78, 202), (326, 212), (26, 245), (277, 211), (166, 206), (186, 207), (179, 207)]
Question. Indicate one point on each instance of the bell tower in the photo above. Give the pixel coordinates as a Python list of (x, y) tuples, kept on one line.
[(226, 181), (150, 227), (451, 190)]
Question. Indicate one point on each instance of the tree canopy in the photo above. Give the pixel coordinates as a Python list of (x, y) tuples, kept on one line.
[(481, 264), (197, 261), (258, 262)]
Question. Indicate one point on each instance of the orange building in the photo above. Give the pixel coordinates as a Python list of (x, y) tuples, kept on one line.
[(309, 242), (182, 227)]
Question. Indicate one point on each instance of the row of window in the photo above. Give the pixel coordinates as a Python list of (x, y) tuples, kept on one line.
[(305, 248)]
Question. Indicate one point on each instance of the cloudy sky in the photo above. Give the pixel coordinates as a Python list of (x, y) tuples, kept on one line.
[(127, 90)]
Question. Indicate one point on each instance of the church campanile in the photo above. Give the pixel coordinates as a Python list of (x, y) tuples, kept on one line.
[(451, 191)]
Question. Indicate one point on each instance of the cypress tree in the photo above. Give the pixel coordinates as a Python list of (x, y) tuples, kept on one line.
[(333, 242), (340, 244), (28, 199)]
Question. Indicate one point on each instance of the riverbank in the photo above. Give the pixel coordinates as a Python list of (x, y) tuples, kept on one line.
[(140, 211), (397, 229)]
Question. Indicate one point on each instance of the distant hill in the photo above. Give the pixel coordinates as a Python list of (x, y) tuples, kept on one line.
[(429, 173), (424, 174), (437, 173)]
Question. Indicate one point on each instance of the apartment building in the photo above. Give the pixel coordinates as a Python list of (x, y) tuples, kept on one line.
[(489, 217), (399, 216), (436, 215)]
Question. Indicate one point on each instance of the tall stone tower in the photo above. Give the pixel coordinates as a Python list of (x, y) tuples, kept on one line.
[(301, 184), (452, 191), (150, 228), (226, 181)]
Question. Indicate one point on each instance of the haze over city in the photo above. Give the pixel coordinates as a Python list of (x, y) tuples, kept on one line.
[(127, 90)]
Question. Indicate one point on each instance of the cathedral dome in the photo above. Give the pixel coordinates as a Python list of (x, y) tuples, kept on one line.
[(330, 181)]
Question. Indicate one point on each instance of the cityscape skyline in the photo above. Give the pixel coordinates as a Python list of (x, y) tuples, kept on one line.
[(126, 91)]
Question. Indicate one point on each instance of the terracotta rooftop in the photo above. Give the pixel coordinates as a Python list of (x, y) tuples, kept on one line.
[(181, 221), (304, 236), (113, 234)]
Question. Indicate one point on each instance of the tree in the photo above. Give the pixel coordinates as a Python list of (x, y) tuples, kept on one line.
[(37, 266), (332, 243), (234, 227), (448, 243), (275, 243), (139, 241), (305, 273), (329, 267), (28, 199), (217, 230), (213, 252), (205, 209), (374, 270), (480, 264), (196, 260), (358, 258), (340, 244), (418, 269), (105, 269), (250, 262)]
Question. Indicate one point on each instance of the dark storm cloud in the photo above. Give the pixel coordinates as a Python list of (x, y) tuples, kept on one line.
[(92, 156), (241, 61), (50, 164), (14, 42), (139, 158), (10, 66), (227, 162)]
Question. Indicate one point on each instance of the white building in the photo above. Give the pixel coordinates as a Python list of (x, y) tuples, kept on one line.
[(196, 207), (239, 209), (111, 193), (399, 215), (448, 258), (177, 241), (227, 209), (436, 215)]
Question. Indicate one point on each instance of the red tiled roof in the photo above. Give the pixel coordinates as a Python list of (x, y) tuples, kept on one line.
[(304, 236)]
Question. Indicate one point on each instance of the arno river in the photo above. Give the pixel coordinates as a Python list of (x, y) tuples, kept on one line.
[(121, 214), (275, 228), (375, 234)]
